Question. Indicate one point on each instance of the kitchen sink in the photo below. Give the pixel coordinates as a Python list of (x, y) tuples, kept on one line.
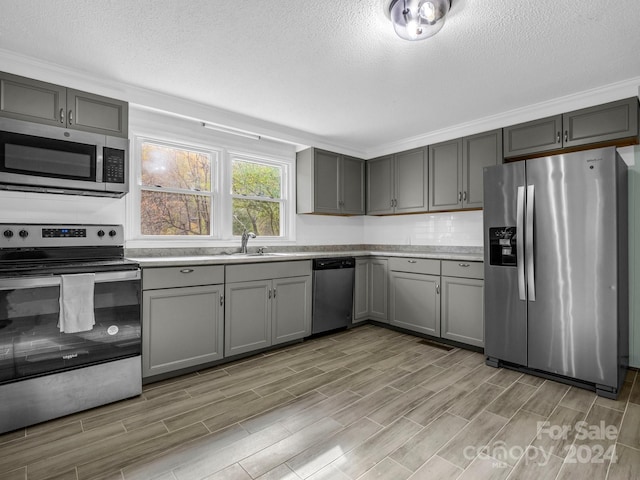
[(270, 254)]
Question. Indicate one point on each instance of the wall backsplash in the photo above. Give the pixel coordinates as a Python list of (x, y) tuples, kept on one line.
[(445, 229)]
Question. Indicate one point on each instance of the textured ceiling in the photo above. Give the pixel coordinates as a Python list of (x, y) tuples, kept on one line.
[(335, 68)]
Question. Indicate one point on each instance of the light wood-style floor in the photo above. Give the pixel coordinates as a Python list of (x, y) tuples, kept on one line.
[(368, 403)]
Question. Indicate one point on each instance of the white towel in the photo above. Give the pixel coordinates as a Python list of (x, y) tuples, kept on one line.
[(76, 303)]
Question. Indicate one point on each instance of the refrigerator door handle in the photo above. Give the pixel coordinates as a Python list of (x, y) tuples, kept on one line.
[(520, 242), (531, 284)]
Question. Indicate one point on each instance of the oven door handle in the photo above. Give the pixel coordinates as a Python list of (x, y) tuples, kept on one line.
[(15, 283)]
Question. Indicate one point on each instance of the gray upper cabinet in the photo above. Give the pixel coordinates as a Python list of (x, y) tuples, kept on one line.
[(97, 114), (455, 170), (380, 186), (329, 183), (479, 151), (398, 183), (34, 101), (445, 175), (603, 123)]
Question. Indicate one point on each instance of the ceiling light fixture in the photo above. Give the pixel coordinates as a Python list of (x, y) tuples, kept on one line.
[(417, 19), (231, 130)]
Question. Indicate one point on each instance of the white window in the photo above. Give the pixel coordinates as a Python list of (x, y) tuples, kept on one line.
[(257, 196), (177, 190), (192, 194)]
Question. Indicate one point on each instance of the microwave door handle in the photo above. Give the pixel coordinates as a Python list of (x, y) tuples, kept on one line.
[(19, 283), (520, 243)]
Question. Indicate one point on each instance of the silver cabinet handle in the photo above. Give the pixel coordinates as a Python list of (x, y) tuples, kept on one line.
[(558, 137), (412, 261), (186, 270), (464, 196), (520, 242), (437, 289), (391, 203), (269, 293), (221, 300), (464, 265), (459, 196), (70, 117), (274, 293), (531, 283), (566, 136), (62, 115)]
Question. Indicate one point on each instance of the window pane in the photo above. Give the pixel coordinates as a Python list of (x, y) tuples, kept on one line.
[(256, 179), (174, 214), (261, 218), (175, 168)]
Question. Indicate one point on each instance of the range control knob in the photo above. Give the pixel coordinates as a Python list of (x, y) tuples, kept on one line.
[(112, 233), (101, 233), (8, 233), (23, 234)]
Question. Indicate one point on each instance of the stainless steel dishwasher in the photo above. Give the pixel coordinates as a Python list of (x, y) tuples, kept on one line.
[(332, 293)]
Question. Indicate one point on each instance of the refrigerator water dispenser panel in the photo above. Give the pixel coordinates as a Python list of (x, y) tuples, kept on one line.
[(502, 246)]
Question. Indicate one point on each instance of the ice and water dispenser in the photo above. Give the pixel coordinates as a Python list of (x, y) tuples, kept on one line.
[(502, 246)]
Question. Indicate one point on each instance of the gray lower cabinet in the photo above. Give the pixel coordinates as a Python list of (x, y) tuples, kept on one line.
[(602, 123), (35, 101), (379, 290), (182, 318), (398, 183), (463, 302), (329, 183), (264, 306), (414, 299), (456, 170), (370, 299), (361, 290)]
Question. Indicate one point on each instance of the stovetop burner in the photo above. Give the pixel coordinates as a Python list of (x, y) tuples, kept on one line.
[(48, 249)]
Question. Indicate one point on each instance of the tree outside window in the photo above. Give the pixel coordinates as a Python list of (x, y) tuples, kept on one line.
[(257, 200), (176, 197)]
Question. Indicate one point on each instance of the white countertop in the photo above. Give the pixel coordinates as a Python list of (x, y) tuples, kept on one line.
[(225, 259)]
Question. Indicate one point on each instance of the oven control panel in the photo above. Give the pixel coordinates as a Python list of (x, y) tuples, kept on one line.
[(18, 235)]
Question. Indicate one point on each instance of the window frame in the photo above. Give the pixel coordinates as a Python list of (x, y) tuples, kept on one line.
[(222, 207), (283, 200)]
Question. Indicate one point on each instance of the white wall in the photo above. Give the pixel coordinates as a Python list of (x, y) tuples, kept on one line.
[(18, 207), (329, 230)]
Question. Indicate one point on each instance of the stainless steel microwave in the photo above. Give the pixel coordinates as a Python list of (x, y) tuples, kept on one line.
[(43, 158)]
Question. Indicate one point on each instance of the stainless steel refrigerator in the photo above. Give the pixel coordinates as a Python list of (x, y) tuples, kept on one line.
[(556, 268)]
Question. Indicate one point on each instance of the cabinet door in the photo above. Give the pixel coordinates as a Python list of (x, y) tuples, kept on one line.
[(181, 327), (602, 123), (479, 151), (411, 181), (30, 100), (352, 187), (98, 114), (378, 290), (380, 185), (361, 290), (291, 309), (445, 175), (247, 317), (326, 183), (415, 302), (463, 310), (533, 137)]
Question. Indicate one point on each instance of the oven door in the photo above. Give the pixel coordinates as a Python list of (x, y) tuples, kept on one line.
[(31, 344)]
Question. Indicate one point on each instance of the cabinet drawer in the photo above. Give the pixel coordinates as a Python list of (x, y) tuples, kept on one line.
[(264, 271), (182, 276), (415, 265), (464, 269)]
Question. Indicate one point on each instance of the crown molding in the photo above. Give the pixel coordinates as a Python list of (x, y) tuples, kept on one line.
[(568, 103)]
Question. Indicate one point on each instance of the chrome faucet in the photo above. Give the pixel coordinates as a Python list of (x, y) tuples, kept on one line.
[(245, 238)]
